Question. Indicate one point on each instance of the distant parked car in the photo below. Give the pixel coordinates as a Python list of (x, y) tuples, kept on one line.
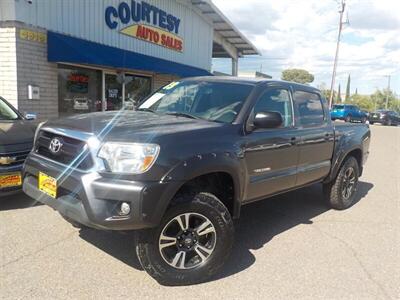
[(16, 140), (348, 113), (81, 104), (385, 117)]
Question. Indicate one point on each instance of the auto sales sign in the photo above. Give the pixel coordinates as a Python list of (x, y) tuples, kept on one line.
[(150, 23)]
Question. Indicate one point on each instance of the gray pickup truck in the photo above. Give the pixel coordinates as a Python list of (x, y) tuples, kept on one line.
[(180, 167)]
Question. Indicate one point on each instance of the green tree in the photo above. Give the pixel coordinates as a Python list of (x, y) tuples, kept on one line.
[(379, 100), (297, 75), (339, 96), (325, 91), (348, 89), (364, 102)]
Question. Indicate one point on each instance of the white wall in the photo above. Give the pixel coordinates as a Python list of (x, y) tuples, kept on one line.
[(85, 19)]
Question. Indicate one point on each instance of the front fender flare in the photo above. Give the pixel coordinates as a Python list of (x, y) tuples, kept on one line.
[(202, 164)]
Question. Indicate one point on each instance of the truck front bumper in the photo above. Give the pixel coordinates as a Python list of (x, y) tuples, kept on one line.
[(95, 201)]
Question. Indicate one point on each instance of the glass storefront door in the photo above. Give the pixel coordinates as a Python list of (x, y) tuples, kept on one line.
[(113, 92), (79, 90), (83, 90)]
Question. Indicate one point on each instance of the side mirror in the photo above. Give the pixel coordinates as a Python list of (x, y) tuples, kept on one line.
[(30, 116), (268, 119)]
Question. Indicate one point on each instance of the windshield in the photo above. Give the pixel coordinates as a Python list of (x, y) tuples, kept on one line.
[(6, 112), (212, 101)]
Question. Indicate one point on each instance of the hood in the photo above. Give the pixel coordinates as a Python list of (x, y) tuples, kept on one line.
[(135, 126), (16, 135)]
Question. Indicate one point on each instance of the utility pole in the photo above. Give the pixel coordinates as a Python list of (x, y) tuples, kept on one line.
[(387, 92), (341, 23)]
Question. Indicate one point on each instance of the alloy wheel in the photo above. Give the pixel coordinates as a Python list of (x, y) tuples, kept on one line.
[(349, 183), (187, 241)]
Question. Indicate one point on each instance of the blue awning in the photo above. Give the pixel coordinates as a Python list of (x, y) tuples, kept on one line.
[(66, 49)]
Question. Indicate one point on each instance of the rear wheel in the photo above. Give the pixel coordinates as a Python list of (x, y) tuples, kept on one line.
[(364, 120), (389, 122), (191, 244), (348, 119), (342, 191), (372, 123)]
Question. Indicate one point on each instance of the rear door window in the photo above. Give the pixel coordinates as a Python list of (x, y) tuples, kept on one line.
[(310, 108)]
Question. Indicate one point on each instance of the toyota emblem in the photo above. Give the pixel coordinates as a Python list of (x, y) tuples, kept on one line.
[(55, 145)]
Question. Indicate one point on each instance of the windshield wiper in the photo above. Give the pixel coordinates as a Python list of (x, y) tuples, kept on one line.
[(182, 114)]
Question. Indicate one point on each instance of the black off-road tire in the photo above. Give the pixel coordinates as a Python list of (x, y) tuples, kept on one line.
[(148, 252), (333, 190)]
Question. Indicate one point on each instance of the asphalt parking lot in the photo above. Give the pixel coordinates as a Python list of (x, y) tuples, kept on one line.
[(287, 247)]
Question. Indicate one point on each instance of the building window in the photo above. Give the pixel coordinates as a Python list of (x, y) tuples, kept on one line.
[(79, 90)]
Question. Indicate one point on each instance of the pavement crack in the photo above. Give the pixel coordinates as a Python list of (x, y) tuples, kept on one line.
[(359, 261), (71, 234)]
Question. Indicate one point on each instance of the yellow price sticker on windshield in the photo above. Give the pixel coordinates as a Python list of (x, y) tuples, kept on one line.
[(171, 85)]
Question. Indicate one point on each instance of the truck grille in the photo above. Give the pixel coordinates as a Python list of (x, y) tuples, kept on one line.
[(15, 158), (73, 152)]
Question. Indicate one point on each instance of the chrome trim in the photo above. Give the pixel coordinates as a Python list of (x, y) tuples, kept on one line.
[(262, 170)]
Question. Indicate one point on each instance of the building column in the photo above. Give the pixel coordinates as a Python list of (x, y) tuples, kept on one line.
[(235, 66)]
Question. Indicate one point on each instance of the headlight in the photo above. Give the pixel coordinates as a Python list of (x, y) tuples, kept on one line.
[(130, 158)]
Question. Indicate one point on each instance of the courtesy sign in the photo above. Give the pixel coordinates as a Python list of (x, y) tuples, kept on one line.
[(150, 23)]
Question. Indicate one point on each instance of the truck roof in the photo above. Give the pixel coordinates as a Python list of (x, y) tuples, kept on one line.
[(253, 81)]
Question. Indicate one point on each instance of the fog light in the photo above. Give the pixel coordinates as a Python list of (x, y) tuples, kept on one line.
[(125, 209)]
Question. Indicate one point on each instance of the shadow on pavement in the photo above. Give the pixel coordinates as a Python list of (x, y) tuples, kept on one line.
[(17, 201), (259, 223)]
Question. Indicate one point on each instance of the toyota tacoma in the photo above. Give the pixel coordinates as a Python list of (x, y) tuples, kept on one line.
[(179, 168)]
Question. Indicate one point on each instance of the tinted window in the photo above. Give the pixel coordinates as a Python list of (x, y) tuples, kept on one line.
[(276, 100), (310, 108), (213, 101), (6, 113), (338, 107)]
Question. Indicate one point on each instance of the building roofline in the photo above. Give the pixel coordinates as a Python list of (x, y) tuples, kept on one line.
[(225, 28)]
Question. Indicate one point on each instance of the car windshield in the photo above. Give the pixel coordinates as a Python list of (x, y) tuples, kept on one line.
[(338, 107), (6, 112), (212, 101)]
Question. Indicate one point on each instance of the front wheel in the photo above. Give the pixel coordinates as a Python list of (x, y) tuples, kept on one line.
[(191, 244), (348, 119), (364, 120), (341, 193)]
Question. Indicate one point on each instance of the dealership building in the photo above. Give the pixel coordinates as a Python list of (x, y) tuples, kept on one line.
[(62, 57)]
